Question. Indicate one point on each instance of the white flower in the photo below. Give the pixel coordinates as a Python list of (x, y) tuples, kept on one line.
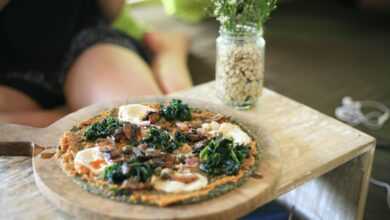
[(223, 19)]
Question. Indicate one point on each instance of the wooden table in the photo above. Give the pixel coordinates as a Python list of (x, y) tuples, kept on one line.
[(325, 174)]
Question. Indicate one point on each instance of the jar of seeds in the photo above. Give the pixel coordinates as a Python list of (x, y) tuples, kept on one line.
[(240, 66)]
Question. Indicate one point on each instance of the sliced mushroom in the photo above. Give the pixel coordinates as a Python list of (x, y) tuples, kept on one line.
[(153, 117), (118, 134), (166, 173), (127, 150), (138, 153), (127, 130), (113, 155), (131, 132), (183, 126), (133, 185), (151, 152), (169, 160), (196, 124), (195, 136), (157, 161)]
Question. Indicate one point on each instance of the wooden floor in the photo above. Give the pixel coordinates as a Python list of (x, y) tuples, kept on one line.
[(317, 53)]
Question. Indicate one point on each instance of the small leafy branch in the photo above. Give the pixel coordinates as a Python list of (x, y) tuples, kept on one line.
[(231, 13)]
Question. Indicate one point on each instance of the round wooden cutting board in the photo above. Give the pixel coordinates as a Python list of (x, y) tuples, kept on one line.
[(71, 198)]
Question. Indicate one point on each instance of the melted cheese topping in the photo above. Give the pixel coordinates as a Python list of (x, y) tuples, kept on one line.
[(134, 113), (172, 186), (227, 130), (230, 130), (92, 159), (211, 128)]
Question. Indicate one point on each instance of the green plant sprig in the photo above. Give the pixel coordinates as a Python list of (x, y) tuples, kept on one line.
[(233, 13)]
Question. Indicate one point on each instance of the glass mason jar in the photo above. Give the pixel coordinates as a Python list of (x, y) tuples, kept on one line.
[(240, 66)]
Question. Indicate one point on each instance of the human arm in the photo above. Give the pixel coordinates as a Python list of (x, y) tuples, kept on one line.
[(111, 9)]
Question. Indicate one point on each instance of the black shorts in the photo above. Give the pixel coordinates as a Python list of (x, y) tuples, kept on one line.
[(48, 88)]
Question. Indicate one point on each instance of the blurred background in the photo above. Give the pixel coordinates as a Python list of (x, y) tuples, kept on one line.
[(317, 53)]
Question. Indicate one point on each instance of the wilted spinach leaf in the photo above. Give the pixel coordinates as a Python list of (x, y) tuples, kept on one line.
[(102, 129), (176, 110), (160, 139), (140, 171), (181, 137), (114, 174), (221, 156), (137, 171)]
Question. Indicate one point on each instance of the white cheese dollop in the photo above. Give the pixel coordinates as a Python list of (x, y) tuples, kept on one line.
[(134, 113), (172, 186), (211, 128), (87, 157), (233, 131), (227, 130)]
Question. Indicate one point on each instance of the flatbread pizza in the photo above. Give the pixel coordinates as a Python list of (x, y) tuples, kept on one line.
[(158, 154)]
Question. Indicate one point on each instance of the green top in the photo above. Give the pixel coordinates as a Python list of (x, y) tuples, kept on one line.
[(190, 11)]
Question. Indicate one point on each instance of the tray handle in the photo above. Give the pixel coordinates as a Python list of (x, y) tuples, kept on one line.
[(17, 140)]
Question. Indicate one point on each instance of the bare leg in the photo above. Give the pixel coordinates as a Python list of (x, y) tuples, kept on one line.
[(108, 72), (170, 60), (104, 72), (16, 107), (12, 100), (37, 118)]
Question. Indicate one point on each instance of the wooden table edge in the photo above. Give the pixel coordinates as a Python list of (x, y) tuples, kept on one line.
[(331, 165)]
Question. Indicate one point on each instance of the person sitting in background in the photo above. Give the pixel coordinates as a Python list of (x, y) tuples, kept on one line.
[(61, 52)]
